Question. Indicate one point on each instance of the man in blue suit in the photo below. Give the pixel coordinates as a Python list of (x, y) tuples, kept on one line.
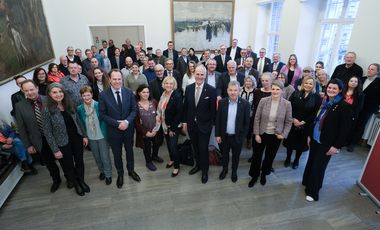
[(199, 116), (117, 107)]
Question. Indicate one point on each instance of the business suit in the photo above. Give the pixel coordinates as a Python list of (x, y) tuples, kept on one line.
[(110, 113), (31, 135), (269, 67), (267, 61), (200, 119), (237, 54), (223, 83), (182, 65), (232, 141), (220, 67), (252, 55), (252, 72), (175, 56), (114, 62), (217, 77)]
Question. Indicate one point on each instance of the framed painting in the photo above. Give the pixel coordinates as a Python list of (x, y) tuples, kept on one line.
[(24, 38), (202, 24)]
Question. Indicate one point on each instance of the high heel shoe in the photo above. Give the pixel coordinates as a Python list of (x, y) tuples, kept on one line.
[(174, 174), (169, 165)]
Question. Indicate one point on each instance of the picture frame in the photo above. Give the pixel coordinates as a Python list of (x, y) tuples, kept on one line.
[(201, 24), (24, 38)]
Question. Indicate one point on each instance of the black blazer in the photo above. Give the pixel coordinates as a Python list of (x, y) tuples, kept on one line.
[(371, 95), (237, 55), (202, 115), (256, 62), (269, 68), (155, 89), (219, 63), (114, 64), (175, 56), (336, 126), (182, 65), (224, 79), (242, 119), (173, 111)]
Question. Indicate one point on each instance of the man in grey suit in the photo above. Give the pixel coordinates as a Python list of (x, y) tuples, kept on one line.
[(212, 76), (29, 121)]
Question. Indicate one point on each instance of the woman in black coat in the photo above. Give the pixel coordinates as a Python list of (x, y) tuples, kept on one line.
[(326, 138), (305, 105)]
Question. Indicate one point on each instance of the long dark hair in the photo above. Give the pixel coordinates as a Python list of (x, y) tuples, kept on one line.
[(35, 76), (105, 78), (357, 90), (141, 88), (51, 105)]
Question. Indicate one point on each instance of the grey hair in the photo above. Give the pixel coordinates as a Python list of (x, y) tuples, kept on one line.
[(234, 83)]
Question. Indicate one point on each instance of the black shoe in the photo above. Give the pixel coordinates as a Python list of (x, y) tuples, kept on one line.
[(54, 187), (263, 180), (169, 165), (234, 177), (204, 178), (70, 184), (295, 165), (252, 182), (157, 159), (250, 159), (33, 170), (134, 176), (25, 167), (108, 180), (272, 170), (119, 181), (350, 148), (84, 186), (194, 170), (79, 190), (287, 163), (175, 174), (102, 176), (223, 174)]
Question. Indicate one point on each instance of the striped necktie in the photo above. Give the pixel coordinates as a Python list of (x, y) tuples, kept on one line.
[(37, 113)]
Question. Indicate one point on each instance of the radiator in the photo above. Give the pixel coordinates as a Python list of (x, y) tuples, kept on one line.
[(373, 132)]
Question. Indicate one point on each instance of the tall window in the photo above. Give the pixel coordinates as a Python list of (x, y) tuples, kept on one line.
[(337, 25), (274, 27)]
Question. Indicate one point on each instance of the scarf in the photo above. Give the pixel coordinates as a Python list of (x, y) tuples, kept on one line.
[(90, 116), (325, 108)]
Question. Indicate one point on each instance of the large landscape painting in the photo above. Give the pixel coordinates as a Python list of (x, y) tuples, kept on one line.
[(24, 37), (202, 24)]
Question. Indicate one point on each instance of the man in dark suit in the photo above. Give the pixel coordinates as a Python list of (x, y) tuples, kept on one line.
[(276, 65), (371, 91), (71, 57), (170, 71), (226, 77), (170, 52), (243, 56), (231, 127), (117, 61), (212, 76), (250, 53), (117, 107), (183, 61), (29, 122), (222, 59), (234, 51), (247, 69), (348, 69), (199, 115), (261, 61), (111, 49), (63, 65), (155, 86)]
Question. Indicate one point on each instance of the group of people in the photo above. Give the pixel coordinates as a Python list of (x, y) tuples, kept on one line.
[(233, 98)]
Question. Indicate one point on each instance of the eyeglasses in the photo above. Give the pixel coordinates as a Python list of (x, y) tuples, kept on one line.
[(306, 71), (70, 50)]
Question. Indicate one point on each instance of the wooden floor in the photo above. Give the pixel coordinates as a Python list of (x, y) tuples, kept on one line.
[(162, 202)]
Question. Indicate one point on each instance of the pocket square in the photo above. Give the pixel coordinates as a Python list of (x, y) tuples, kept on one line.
[(206, 97)]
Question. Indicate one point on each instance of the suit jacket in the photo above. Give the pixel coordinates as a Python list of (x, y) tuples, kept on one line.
[(238, 50), (114, 63), (284, 118), (256, 62), (219, 63), (239, 61), (76, 59), (217, 78), (110, 113), (178, 77), (223, 83), (175, 56), (252, 55), (201, 115), (27, 124), (174, 111), (155, 88), (371, 95), (269, 68), (252, 72), (242, 119), (182, 65)]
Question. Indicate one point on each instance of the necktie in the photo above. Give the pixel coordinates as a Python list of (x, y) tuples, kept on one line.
[(243, 61), (261, 66), (197, 94), (37, 113), (170, 74), (223, 59), (118, 100), (274, 66)]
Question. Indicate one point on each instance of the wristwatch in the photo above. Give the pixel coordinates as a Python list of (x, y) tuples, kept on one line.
[(337, 151)]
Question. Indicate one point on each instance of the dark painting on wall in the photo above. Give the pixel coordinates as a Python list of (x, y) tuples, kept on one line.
[(24, 38)]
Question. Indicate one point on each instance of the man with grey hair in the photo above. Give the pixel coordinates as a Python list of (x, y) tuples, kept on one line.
[(226, 77), (276, 65), (198, 119), (231, 127), (348, 69), (155, 86), (63, 65), (71, 57), (222, 59)]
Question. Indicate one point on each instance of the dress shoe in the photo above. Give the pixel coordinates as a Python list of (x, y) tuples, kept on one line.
[(119, 181), (194, 170), (250, 159), (350, 148), (102, 176), (84, 186), (79, 190), (234, 177), (169, 165), (309, 199), (108, 180), (223, 174), (157, 159), (287, 163), (134, 176), (204, 178), (151, 166), (70, 184), (33, 170), (295, 165), (54, 187), (252, 182), (175, 172), (25, 167), (263, 180)]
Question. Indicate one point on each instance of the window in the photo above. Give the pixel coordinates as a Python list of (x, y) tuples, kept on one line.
[(337, 24), (274, 27)]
